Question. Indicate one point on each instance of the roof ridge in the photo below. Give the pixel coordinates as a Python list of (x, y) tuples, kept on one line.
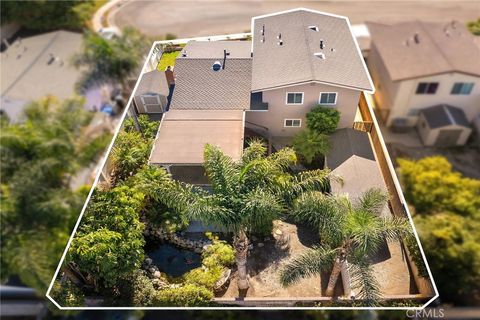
[(312, 73), (439, 48)]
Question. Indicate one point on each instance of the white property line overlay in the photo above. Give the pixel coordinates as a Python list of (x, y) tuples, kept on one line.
[(220, 307)]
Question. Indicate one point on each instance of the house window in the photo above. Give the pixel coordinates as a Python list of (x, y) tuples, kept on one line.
[(462, 88), (427, 88), (293, 123), (413, 112), (294, 97), (328, 98)]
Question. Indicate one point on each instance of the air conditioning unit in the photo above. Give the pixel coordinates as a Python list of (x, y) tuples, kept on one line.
[(400, 125)]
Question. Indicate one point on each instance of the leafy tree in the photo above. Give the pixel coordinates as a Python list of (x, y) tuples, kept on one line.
[(246, 195), (352, 232), (148, 128), (68, 294), (431, 186), (48, 15), (310, 144), (474, 27), (38, 209), (111, 60), (130, 152), (323, 120), (452, 246), (109, 243)]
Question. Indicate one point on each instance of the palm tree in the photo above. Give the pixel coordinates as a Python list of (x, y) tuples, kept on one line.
[(352, 232), (246, 195), (310, 144)]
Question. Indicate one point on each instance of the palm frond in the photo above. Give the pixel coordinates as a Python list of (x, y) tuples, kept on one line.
[(220, 169), (311, 262), (256, 150), (364, 283), (260, 208), (365, 230), (396, 228), (373, 201), (321, 211)]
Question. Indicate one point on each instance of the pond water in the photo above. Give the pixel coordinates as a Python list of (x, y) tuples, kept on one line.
[(173, 261)]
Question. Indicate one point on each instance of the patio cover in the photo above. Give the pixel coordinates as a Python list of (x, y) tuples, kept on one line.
[(183, 134)]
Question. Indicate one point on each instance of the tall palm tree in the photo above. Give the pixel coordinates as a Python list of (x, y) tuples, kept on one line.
[(247, 195), (352, 232)]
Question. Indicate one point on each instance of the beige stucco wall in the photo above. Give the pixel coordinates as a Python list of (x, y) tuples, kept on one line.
[(278, 110), (406, 98)]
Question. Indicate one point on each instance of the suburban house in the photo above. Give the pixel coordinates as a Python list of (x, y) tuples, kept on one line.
[(222, 92), (427, 75)]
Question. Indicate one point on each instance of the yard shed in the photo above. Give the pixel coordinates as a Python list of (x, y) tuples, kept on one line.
[(443, 126), (152, 93)]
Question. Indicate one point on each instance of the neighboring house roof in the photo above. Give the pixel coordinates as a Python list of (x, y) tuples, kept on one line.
[(198, 86), (443, 115), (26, 73), (214, 49), (418, 49), (183, 134), (153, 82), (295, 62), (352, 158)]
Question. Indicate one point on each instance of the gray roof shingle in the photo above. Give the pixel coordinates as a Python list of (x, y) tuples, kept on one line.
[(295, 62), (214, 49), (198, 87), (443, 115), (440, 48)]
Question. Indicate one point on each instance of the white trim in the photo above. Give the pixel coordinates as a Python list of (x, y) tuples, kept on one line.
[(327, 104), (298, 104), (308, 82), (292, 126)]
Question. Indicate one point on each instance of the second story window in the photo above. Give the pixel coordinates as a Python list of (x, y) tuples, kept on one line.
[(327, 98), (427, 88), (294, 97), (462, 88)]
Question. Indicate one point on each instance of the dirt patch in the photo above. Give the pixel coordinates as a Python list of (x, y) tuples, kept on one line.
[(270, 254)]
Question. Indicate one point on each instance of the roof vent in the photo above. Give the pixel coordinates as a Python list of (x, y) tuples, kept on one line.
[(262, 32), (322, 44), (184, 53), (279, 36), (332, 49), (280, 43), (313, 28), (217, 66), (262, 40), (416, 38), (320, 55)]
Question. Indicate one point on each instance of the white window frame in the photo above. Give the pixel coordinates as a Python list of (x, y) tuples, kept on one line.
[(297, 104), (292, 126), (327, 104)]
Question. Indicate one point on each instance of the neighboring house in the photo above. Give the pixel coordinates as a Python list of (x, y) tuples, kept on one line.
[(152, 93), (417, 65)]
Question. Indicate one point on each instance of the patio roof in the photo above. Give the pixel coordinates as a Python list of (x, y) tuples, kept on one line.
[(183, 134)]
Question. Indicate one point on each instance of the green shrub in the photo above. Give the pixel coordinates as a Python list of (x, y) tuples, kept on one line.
[(474, 27), (67, 294), (129, 154), (148, 128), (417, 258), (323, 120), (94, 148), (188, 295), (310, 144)]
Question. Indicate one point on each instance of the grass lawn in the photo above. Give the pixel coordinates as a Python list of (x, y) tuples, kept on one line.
[(168, 59)]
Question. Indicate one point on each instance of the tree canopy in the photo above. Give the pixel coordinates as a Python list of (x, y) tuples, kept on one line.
[(323, 120), (49, 15)]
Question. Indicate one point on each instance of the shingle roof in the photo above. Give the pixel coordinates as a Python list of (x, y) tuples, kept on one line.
[(346, 143), (214, 49), (443, 115), (441, 48), (294, 61), (153, 82), (197, 86)]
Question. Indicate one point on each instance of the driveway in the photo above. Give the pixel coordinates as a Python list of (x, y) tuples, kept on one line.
[(201, 18)]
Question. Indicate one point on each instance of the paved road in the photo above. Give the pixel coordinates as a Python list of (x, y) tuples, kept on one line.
[(200, 18)]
